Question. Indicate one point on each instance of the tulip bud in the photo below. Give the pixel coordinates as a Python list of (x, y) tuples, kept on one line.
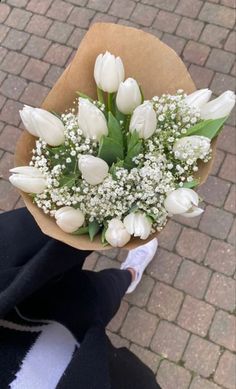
[(69, 219), (183, 201), (116, 234), (128, 96), (93, 169), (108, 72), (199, 97), (43, 124), (28, 179), (219, 107), (192, 147), (143, 120), (138, 224), (91, 120)]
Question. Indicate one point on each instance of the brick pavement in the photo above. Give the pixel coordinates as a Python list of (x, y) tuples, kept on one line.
[(180, 320)]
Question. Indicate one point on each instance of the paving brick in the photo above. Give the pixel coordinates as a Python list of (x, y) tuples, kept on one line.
[(127, 22), (222, 292), (231, 42), (222, 82), (38, 25), (106, 263), (36, 47), (117, 340), (227, 139), (142, 320), (143, 14), (20, 203), (99, 5), (189, 8), (168, 5), (214, 191), (219, 61), (172, 376), (232, 235), (216, 222), (81, 17), (200, 383), (76, 37), (226, 373), (168, 236), (34, 94), (174, 42), (59, 32), (13, 86), (169, 341), (122, 8), (39, 6), (165, 301), (166, 21), (192, 278), (3, 52), (119, 317), (6, 163), (91, 261), (103, 18), (78, 2), (18, 3), (52, 76), (3, 32), (14, 62), (142, 292), (223, 330), (18, 18), (198, 247), (230, 204), (201, 356), (2, 101), (217, 162), (10, 112), (195, 52), (15, 40), (111, 253), (189, 28), (4, 12), (164, 266), (214, 35), (35, 70), (217, 14), (229, 3), (228, 169), (147, 357), (196, 316), (221, 257), (9, 137), (57, 54), (59, 10), (8, 197)]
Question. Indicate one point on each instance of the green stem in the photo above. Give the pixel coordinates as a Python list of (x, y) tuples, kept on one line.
[(100, 95), (109, 102), (127, 122)]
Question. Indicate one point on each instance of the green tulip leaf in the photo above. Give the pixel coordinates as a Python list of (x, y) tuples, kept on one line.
[(114, 129), (110, 150), (81, 231), (135, 147), (209, 128), (191, 184), (93, 229), (68, 181), (84, 96)]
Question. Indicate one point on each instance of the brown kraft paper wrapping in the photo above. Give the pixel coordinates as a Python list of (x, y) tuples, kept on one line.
[(155, 66)]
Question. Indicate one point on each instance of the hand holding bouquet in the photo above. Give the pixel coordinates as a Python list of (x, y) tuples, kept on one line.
[(120, 165)]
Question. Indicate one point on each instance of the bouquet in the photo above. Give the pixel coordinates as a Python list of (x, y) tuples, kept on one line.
[(120, 165)]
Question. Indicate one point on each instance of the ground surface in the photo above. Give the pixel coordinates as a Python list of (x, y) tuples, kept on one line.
[(180, 320)]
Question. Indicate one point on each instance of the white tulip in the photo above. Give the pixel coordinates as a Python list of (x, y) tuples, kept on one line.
[(194, 146), (143, 120), (94, 170), (219, 107), (108, 72), (43, 124), (29, 179), (183, 201), (199, 97), (116, 233), (128, 96), (69, 219), (91, 120), (138, 224)]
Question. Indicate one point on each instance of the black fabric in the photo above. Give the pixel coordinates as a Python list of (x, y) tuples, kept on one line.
[(43, 278)]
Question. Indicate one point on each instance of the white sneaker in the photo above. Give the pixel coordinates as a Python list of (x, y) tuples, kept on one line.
[(138, 259)]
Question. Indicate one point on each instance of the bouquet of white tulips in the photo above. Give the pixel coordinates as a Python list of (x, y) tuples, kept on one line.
[(120, 166)]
